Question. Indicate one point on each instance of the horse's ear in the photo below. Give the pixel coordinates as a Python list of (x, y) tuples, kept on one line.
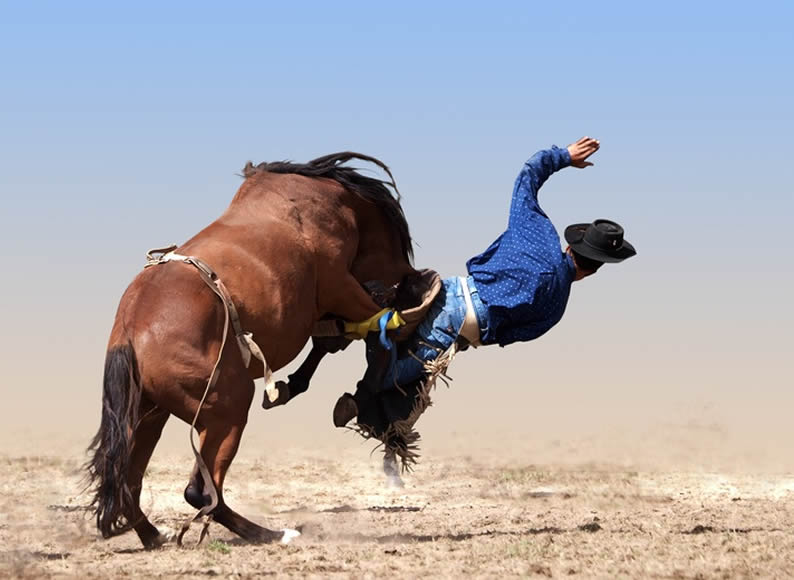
[(248, 170)]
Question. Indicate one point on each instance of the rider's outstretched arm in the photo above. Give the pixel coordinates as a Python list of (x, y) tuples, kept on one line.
[(538, 169)]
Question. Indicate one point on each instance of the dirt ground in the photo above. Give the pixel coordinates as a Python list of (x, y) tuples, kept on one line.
[(457, 515)]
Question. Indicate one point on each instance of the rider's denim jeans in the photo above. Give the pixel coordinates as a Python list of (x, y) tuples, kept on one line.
[(437, 331)]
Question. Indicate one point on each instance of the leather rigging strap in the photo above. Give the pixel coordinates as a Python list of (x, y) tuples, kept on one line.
[(248, 347)]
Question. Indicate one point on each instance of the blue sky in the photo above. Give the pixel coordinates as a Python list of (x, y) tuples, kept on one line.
[(452, 95), (123, 128)]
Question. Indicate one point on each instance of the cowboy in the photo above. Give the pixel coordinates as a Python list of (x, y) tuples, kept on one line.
[(515, 291)]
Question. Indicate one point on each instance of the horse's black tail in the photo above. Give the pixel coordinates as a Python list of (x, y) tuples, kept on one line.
[(113, 500)]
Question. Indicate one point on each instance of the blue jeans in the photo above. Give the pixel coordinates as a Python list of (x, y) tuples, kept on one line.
[(436, 332)]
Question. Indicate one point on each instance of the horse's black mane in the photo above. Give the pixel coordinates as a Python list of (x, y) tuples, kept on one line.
[(382, 193)]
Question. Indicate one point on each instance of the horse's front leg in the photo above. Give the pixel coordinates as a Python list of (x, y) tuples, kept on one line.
[(348, 300), (300, 379)]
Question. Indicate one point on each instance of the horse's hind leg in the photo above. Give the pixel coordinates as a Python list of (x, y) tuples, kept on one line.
[(195, 493), (147, 434), (221, 430), (218, 452)]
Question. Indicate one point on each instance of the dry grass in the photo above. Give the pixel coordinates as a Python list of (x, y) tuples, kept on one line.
[(454, 517)]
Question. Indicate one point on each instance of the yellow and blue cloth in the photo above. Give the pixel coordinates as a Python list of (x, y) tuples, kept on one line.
[(385, 320)]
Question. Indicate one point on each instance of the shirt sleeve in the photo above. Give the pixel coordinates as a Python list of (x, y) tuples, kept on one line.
[(533, 175)]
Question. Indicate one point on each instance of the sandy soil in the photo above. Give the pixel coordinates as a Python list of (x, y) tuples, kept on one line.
[(455, 516)]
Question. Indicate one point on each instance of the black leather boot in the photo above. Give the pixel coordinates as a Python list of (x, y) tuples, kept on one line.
[(364, 403)]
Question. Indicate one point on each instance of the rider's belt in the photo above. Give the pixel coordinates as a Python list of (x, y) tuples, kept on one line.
[(470, 330)]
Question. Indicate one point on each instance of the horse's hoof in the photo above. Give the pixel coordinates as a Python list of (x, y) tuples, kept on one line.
[(163, 539), (283, 396), (158, 541), (289, 535), (345, 410)]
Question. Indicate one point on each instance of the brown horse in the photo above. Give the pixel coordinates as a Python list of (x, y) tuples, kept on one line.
[(296, 243)]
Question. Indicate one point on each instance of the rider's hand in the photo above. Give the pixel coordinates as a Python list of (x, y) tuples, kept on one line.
[(581, 150)]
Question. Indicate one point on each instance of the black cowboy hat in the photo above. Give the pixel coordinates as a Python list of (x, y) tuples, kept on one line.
[(601, 240)]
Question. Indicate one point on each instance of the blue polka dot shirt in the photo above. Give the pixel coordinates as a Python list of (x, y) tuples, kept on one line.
[(524, 278)]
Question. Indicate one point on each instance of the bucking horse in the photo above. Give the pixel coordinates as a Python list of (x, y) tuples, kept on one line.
[(295, 245)]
